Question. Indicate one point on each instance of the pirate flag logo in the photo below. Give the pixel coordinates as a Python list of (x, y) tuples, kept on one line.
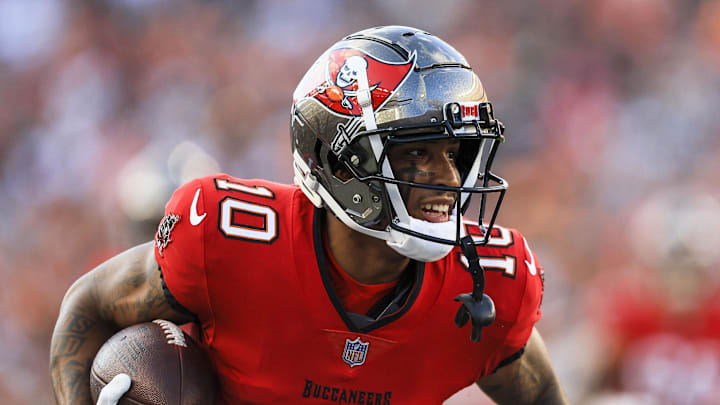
[(333, 80), (162, 237)]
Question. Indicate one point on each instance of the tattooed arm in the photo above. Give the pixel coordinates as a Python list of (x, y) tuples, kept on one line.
[(123, 291), (528, 380)]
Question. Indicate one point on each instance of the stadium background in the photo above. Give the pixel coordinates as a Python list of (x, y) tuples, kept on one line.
[(612, 156)]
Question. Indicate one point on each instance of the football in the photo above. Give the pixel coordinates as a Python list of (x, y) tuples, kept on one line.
[(166, 366)]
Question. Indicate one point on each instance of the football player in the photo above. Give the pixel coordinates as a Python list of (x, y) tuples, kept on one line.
[(375, 279)]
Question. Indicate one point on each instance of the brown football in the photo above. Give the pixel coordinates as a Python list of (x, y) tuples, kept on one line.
[(165, 365)]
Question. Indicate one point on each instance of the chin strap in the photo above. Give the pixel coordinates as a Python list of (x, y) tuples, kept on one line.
[(420, 249), (476, 306), (364, 98)]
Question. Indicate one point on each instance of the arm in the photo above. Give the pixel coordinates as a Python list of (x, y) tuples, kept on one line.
[(123, 291), (528, 380)]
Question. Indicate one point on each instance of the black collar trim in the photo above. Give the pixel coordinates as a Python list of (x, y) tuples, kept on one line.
[(369, 324)]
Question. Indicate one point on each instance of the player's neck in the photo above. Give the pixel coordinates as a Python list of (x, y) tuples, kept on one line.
[(366, 259)]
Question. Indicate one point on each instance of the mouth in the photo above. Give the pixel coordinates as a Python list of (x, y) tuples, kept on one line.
[(435, 212)]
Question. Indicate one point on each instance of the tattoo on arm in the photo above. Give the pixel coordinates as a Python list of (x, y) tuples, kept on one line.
[(147, 301), (120, 292), (517, 387), (527, 377), (68, 343), (123, 291), (530, 379), (76, 374), (71, 335)]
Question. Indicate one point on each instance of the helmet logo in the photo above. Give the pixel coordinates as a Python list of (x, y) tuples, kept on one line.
[(349, 71), (332, 80)]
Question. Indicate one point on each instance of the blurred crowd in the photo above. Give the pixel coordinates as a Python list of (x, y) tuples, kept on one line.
[(612, 155)]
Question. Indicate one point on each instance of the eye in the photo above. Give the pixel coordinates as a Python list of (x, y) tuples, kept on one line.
[(452, 154), (416, 152)]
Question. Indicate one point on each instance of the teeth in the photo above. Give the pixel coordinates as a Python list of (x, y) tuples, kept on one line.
[(442, 208)]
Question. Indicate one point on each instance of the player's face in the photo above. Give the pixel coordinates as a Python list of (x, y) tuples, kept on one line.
[(428, 162)]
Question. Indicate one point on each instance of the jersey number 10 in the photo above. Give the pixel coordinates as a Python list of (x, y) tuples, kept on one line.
[(231, 208)]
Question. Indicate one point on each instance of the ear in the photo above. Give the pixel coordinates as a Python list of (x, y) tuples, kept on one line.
[(342, 173)]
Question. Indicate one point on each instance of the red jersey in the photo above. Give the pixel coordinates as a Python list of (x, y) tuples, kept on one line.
[(247, 257)]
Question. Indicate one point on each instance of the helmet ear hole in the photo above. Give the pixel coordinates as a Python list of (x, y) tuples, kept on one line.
[(318, 152), (337, 168), (330, 164)]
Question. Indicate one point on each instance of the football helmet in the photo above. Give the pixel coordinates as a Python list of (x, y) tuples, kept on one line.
[(385, 86)]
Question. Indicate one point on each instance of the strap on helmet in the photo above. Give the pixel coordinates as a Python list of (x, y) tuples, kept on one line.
[(477, 305), (364, 98)]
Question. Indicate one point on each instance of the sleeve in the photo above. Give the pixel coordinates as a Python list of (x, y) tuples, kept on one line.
[(530, 296), (180, 249), (517, 303)]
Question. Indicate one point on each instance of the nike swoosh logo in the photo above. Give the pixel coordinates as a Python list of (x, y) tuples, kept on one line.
[(530, 264), (195, 219)]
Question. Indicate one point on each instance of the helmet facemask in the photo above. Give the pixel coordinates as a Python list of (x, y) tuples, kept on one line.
[(368, 195), (429, 96), (479, 140)]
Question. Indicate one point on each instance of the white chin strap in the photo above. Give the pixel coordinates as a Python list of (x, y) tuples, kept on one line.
[(421, 249)]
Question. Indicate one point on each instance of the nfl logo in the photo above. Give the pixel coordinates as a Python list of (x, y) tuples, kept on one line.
[(355, 352)]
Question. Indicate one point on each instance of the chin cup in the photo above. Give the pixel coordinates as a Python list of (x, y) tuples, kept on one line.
[(482, 313)]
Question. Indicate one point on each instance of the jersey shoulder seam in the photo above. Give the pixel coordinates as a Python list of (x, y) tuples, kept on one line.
[(203, 192)]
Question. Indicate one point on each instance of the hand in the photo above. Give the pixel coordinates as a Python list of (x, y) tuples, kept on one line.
[(114, 390)]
